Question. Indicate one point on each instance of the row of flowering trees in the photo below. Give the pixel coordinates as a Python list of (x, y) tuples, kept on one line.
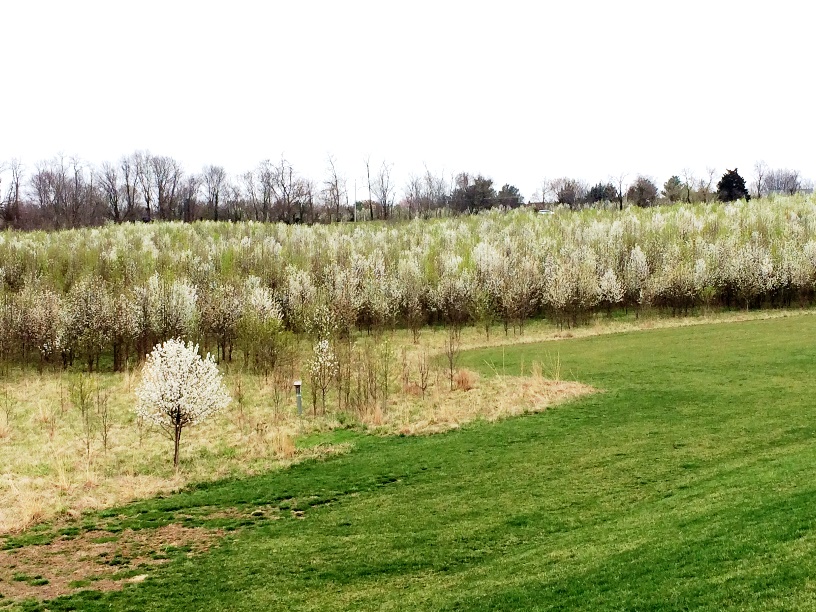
[(243, 289)]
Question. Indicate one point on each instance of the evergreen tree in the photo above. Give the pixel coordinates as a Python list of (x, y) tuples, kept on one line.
[(510, 196), (673, 189), (732, 187), (602, 192), (473, 194)]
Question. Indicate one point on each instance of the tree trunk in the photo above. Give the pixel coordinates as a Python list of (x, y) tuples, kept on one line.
[(177, 439)]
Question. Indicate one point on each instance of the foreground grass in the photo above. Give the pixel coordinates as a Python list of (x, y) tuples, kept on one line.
[(687, 483)]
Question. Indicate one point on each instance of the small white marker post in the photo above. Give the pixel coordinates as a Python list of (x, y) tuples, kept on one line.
[(299, 397)]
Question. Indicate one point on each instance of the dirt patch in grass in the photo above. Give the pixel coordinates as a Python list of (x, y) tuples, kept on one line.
[(97, 560), (229, 513)]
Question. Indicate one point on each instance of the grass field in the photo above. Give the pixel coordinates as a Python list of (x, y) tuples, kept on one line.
[(687, 483)]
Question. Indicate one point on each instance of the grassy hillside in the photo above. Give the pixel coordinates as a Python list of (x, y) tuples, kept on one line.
[(686, 484)]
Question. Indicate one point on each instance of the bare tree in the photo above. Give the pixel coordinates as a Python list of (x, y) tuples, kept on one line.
[(333, 189), (370, 191), (190, 186), (414, 195), (290, 191), (688, 183), (425, 193), (50, 185), (782, 181), (215, 183), (568, 191), (129, 168), (112, 190), (250, 189), (436, 191), (761, 172), (12, 201), (621, 181), (144, 176), (309, 191), (704, 185), (76, 192), (266, 183), (65, 192), (384, 189), (788, 181), (234, 201), (167, 175)]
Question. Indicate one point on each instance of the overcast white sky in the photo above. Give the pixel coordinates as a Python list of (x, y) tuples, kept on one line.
[(520, 91)]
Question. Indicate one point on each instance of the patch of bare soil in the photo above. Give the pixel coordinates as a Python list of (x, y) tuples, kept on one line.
[(268, 512), (98, 560)]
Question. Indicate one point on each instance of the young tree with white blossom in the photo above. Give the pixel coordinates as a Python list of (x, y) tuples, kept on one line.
[(179, 389), (322, 370)]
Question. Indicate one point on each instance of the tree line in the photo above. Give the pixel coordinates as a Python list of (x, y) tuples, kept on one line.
[(250, 289), (685, 187), (66, 192)]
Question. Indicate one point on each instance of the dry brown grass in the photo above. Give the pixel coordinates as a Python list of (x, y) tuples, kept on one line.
[(488, 399), (45, 472)]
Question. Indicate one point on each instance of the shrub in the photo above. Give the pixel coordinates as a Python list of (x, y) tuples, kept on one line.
[(465, 380)]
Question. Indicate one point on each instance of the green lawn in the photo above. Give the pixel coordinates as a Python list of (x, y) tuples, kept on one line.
[(688, 483)]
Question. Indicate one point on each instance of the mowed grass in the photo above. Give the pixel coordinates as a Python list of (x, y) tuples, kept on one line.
[(689, 482)]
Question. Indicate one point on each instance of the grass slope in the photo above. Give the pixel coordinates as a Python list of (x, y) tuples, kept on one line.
[(687, 484)]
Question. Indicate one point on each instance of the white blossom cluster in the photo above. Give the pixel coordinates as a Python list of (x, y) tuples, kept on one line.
[(178, 387), (39, 321), (324, 361), (323, 367), (87, 317), (171, 307)]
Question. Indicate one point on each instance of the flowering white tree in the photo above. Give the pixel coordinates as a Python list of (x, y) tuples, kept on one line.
[(635, 277), (41, 321), (322, 369), (298, 295), (88, 318), (452, 298), (412, 294), (343, 295), (521, 290), (179, 388), (572, 288), (124, 328), (171, 307), (221, 309), (260, 328), (610, 290)]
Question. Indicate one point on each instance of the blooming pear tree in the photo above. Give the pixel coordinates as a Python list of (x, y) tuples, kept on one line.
[(41, 322), (322, 369), (260, 328), (221, 309), (179, 389), (88, 317), (610, 290)]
